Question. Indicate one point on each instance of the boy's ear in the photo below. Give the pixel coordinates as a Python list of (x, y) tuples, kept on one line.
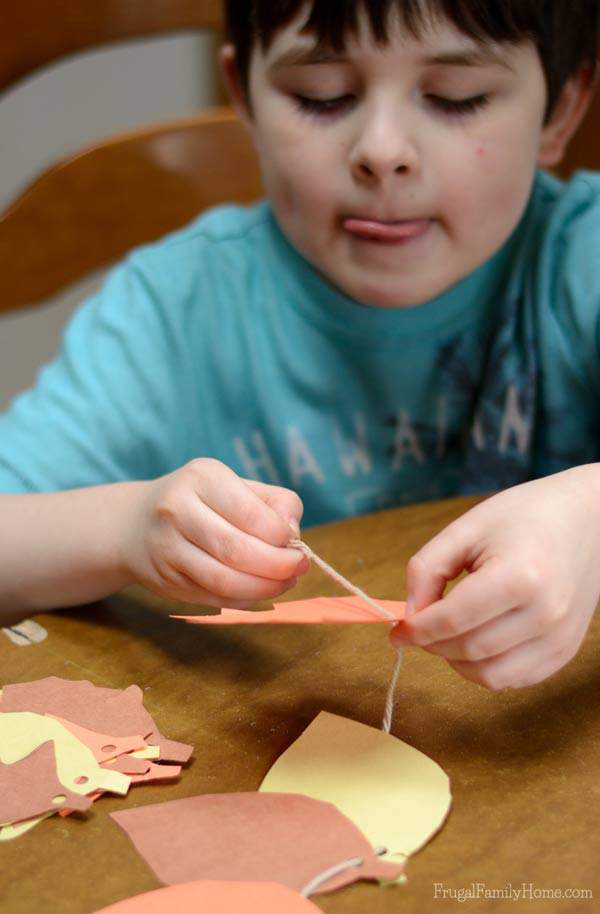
[(231, 78), (566, 117)]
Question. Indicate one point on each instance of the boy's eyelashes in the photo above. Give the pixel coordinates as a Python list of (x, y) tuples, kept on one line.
[(325, 107)]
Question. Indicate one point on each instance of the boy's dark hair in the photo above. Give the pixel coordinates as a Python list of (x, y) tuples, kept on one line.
[(564, 31)]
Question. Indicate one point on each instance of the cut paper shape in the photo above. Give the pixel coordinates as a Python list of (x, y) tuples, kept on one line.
[(9, 832), (313, 611), (128, 764), (157, 773), (282, 838), (77, 769), (26, 633), (30, 787), (216, 898), (116, 711), (150, 752), (397, 796), (151, 774), (102, 745)]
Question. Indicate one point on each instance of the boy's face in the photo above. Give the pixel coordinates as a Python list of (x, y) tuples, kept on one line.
[(397, 170)]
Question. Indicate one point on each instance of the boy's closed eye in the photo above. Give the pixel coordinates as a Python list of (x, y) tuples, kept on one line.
[(331, 106)]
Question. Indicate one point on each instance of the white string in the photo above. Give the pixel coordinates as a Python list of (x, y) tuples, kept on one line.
[(314, 884), (340, 579), (325, 876)]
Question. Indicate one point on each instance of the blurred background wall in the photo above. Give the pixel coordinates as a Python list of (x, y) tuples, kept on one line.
[(59, 110)]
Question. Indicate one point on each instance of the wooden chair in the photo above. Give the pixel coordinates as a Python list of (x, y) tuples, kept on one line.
[(91, 208), (584, 149), (88, 210)]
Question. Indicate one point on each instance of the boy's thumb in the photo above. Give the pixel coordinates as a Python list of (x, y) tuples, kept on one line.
[(441, 560)]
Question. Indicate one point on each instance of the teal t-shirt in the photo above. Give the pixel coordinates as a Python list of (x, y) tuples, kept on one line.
[(222, 341)]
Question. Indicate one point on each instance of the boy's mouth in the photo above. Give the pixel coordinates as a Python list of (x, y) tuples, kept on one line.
[(386, 232)]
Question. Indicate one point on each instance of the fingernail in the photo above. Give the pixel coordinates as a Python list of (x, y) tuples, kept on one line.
[(410, 608), (293, 523)]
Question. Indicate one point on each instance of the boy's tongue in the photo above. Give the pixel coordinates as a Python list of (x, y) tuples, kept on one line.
[(386, 231)]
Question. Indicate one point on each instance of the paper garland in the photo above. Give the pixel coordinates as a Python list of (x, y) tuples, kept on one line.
[(397, 796)]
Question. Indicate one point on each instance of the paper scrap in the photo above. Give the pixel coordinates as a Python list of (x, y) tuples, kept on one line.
[(283, 838), (216, 898), (116, 711), (143, 771), (23, 731), (30, 787), (397, 796), (9, 832), (150, 752), (128, 764), (26, 633), (313, 611), (102, 745)]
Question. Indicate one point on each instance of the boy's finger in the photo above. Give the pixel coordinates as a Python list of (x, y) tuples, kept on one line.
[(284, 502), (525, 665), (232, 498), (477, 598), (210, 532), (492, 638), (441, 560), (206, 572)]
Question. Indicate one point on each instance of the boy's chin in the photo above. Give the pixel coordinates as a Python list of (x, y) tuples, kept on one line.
[(395, 297)]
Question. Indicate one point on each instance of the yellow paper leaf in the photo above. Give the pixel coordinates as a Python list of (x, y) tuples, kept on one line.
[(396, 795), (23, 731), (8, 832)]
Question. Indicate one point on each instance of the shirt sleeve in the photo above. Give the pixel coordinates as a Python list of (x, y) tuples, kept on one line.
[(108, 408), (576, 295)]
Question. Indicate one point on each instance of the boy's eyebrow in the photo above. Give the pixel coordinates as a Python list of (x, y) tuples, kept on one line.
[(303, 56), (471, 58)]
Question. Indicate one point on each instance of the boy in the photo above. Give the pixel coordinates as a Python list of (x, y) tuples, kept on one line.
[(411, 313)]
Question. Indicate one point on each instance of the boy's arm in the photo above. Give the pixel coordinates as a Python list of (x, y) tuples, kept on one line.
[(199, 535), (61, 548)]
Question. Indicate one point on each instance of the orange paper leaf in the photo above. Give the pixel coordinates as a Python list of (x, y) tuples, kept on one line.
[(316, 610), (216, 898)]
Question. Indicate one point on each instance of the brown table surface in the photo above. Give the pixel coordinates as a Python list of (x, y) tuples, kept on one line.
[(524, 764)]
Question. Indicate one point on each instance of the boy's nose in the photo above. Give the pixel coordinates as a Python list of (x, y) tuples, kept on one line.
[(383, 149)]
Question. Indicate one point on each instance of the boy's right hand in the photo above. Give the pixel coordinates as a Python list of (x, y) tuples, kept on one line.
[(204, 535)]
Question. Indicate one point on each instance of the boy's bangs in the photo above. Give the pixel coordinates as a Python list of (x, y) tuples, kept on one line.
[(332, 23)]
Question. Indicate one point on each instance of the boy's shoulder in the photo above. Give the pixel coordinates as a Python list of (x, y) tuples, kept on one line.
[(568, 209), (562, 265), (212, 259), (212, 231), (568, 227)]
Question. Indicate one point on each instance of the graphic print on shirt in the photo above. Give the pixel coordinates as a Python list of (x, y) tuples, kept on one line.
[(496, 450), (475, 435)]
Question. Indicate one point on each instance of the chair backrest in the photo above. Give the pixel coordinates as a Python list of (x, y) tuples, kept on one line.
[(90, 209), (584, 148), (36, 32)]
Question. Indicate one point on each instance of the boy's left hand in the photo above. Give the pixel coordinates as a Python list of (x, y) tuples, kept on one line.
[(533, 557)]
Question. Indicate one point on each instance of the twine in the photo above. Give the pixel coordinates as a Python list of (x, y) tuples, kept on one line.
[(335, 870), (380, 610)]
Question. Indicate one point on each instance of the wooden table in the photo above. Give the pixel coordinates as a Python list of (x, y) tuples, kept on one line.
[(524, 765)]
